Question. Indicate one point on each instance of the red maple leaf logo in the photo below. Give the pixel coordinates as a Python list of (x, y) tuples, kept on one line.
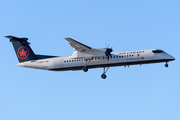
[(23, 52)]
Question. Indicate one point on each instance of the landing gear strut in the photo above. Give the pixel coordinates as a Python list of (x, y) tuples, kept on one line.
[(166, 65), (103, 76), (85, 68)]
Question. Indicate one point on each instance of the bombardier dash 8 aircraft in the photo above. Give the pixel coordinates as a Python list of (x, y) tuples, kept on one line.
[(85, 57)]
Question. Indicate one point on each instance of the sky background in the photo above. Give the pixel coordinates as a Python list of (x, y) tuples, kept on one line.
[(147, 92)]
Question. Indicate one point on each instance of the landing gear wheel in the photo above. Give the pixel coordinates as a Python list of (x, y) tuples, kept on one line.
[(166, 65), (103, 76), (85, 69)]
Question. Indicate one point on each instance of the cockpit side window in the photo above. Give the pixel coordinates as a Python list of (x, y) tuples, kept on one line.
[(158, 51)]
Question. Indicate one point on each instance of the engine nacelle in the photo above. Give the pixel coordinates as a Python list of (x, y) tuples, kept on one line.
[(95, 52)]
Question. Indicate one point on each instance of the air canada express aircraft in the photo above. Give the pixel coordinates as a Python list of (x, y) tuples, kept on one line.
[(85, 57)]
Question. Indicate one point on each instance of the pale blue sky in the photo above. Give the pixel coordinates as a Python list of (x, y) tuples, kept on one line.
[(149, 92)]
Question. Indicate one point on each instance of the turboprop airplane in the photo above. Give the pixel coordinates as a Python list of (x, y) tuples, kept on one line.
[(85, 57)]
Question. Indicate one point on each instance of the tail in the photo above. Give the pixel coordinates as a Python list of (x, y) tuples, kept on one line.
[(22, 49)]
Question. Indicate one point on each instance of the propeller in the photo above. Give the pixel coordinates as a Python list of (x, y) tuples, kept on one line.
[(108, 52)]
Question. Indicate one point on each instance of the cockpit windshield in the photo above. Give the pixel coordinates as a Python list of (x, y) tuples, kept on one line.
[(158, 51)]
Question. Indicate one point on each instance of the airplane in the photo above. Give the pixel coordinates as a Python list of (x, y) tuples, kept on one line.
[(85, 57)]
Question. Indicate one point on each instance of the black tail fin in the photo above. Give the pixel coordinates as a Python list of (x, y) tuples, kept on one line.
[(22, 49)]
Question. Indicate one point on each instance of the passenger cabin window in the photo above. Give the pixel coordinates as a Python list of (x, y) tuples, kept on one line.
[(157, 51)]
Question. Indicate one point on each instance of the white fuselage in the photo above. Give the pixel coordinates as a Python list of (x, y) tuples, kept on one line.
[(118, 59)]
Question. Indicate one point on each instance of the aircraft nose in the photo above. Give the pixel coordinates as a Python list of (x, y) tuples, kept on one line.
[(171, 58)]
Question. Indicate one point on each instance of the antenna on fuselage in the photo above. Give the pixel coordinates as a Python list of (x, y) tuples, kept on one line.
[(127, 50)]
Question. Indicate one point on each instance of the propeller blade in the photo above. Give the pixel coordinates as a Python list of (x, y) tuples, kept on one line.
[(107, 57), (106, 45), (108, 51), (110, 55)]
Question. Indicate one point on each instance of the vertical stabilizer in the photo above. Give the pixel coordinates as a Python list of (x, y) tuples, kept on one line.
[(22, 49)]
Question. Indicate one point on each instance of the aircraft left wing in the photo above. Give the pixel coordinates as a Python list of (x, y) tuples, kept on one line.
[(78, 46)]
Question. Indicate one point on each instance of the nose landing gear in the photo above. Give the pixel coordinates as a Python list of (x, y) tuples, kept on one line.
[(166, 65)]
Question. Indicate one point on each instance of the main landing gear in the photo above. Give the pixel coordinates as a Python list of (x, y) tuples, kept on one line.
[(103, 76), (85, 68)]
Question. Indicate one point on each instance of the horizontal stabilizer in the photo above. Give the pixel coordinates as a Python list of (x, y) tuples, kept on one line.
[(17, 39)]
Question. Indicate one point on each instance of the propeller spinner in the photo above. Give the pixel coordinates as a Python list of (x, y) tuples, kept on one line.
[(108, 53)]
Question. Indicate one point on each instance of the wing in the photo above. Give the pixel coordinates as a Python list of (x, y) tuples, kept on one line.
[(77, 45)]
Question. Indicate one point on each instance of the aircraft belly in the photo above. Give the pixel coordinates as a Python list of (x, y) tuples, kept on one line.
[(124, 63)]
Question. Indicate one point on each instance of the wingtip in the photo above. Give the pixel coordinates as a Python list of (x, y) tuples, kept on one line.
[(8, 36), (67, 38)]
